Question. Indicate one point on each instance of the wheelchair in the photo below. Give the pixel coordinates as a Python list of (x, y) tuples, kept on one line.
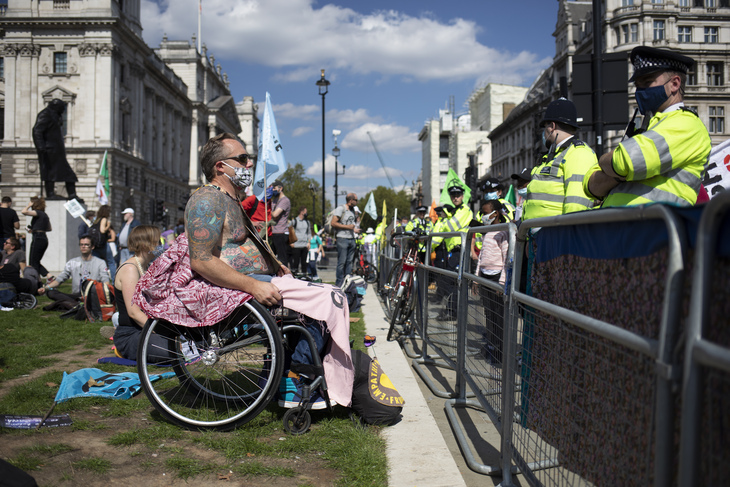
[(224, 374)]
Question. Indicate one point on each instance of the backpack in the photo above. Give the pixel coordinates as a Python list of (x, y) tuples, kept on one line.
[(374, 398), (94, 234), (354, 288), (98, 300), (7, 294)]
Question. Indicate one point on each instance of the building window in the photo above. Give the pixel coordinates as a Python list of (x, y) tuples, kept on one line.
[(657, 2), (692, 76), (714, 74), (627, 3), (684, 3), (710, 3), (59, 62), (634, 32), (717, 120), (658, 30), (711, 35), (684, 34), (2, 67), (62, 4)]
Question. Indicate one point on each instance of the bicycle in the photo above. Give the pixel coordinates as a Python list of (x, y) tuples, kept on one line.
[(363, 267), (400, 295)]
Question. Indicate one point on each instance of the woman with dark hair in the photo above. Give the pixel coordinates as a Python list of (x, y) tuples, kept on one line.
[(40, 224), (143, 242), (102, 223)]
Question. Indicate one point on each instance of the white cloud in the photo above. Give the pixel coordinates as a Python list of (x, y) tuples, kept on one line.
[(390, 138), (301, 131), (297, 38)]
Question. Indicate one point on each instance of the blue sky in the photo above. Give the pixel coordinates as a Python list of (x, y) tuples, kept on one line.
[(392, 65)]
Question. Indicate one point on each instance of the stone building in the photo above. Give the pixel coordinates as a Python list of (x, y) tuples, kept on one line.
[(697, 28), (461, 142), (150, 110)]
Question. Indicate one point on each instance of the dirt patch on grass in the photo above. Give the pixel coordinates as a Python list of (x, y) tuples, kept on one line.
[(137, 465)]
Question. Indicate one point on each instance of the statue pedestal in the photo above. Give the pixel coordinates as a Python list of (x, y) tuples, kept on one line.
[(63, 241)]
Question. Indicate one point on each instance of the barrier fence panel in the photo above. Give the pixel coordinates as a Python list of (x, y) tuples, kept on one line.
[(438, 327), (591, 350), (705, 430)]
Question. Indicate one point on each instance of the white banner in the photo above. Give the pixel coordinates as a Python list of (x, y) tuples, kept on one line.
[(717, 177), (370, 208)]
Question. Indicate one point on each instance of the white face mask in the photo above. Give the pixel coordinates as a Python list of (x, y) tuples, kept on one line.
[(242, 178), (488, 219)]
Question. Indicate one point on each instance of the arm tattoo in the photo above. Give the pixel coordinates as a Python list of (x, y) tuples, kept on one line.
[(205, 215)]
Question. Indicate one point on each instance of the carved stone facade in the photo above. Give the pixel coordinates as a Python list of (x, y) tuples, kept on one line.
[(124, 100), (697, 28)]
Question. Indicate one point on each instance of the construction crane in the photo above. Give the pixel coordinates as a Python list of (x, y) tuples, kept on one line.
[(380, 158)]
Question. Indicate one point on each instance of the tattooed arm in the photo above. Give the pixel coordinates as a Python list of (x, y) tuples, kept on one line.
[(206, 227)]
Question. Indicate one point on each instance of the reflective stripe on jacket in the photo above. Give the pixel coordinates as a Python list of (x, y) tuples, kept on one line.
[(459, 222), (557, 185), (664, 164)]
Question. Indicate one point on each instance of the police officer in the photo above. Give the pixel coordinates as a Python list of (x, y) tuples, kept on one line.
[(459, 221), (663, 163), (494, 190), (556, 187), (425, 225)]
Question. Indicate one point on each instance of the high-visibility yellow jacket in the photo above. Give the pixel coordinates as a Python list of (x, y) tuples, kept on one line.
[(458, 222), (426, 225), (663, 164), (509, 209), (557, 184)]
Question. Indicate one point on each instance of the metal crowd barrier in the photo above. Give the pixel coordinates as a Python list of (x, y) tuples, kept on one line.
[(705, 440), (578, 399)]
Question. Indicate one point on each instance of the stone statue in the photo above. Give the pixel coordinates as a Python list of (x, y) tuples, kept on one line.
[(48, 140)]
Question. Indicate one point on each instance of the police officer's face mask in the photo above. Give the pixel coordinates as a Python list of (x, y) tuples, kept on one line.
[(651, 98)]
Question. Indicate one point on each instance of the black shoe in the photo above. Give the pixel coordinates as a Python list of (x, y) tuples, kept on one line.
[(54, 197), (74, 197)]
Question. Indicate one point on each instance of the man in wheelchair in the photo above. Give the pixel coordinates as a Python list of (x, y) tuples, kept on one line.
[(226, 252)]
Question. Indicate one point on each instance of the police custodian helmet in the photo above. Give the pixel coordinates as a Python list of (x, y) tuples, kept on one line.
[(561, 110)]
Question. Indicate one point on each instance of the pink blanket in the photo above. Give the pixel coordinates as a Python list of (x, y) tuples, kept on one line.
[(170, 290)]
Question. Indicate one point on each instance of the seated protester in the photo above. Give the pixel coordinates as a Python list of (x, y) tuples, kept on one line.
[(226, 251), (24, 278), (78, 269), (144, 244)]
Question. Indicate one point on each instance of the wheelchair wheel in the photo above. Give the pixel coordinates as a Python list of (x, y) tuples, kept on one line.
[(297, 421), (25, 301), (225, 374)]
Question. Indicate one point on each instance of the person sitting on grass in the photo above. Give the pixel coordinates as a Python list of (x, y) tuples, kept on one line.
[(144, 244)]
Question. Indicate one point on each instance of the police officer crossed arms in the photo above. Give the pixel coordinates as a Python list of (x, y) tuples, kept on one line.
[(556, 186), (665, 162)]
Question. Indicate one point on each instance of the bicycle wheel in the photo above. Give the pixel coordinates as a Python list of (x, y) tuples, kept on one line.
[(395, 313), (407, 299), (371, 273), (225, 374), (391, 285)]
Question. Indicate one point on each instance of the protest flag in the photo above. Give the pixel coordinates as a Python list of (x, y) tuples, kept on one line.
[(271, 162)]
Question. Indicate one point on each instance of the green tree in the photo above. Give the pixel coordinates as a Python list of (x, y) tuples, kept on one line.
[(297, 189), (393, 200)]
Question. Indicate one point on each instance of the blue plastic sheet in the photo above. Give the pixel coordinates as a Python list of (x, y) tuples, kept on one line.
[(97, 383)]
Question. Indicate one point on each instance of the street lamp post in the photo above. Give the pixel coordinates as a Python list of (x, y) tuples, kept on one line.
[(323, 86)]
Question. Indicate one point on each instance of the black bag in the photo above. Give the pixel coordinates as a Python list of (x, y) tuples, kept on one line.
[(374, 398), (94, 234)]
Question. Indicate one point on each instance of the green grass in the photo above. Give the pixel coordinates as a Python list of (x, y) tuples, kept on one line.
[(259, 449)]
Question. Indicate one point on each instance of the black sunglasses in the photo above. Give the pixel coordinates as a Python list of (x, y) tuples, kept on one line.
[(241, 158)]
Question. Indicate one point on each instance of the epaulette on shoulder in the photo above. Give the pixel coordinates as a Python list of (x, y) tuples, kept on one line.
[(685, 109)]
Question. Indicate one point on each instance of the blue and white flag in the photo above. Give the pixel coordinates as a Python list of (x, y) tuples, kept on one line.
[(370, 208), (271, 154)]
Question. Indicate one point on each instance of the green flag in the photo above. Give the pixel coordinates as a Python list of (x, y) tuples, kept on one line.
[(452, 177), (511, 195)]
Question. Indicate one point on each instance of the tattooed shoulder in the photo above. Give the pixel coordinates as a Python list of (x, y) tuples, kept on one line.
[(205, 216)]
